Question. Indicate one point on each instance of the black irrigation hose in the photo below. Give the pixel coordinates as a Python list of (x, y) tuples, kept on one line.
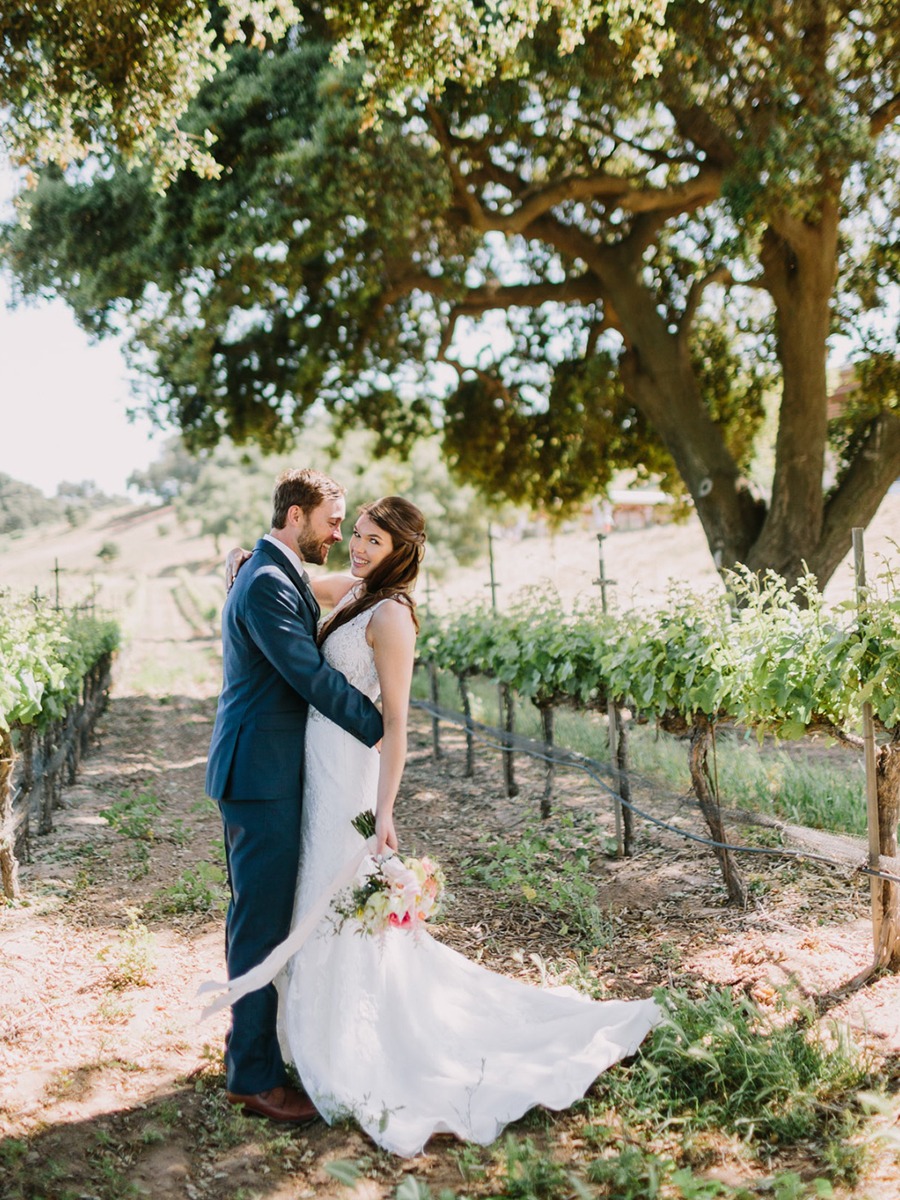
[(501, 740)]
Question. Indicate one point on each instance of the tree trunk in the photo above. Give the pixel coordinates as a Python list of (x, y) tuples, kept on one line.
[(799, 268), (658, 376), (624, 783), (803, 527), (546, 711)]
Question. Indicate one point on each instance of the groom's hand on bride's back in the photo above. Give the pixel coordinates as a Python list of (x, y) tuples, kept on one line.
[(234, 560)]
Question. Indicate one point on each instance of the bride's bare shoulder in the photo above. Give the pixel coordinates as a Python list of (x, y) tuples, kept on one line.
[(393, 617)]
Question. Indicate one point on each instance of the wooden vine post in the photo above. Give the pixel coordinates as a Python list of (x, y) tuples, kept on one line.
[(882, 806), (508, 718), (887, 947), (467, 713), (9, 866), (435, 691), (702, 733)]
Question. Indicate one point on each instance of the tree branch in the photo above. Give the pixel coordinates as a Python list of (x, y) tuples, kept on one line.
[(460, 187), (662, 158), (697, 125), (536, 202), (581, 289), (721, 274), (884, 115), (858, 495)]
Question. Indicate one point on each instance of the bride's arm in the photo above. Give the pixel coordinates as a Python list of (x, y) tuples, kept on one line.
[(393, 639), (234, 560), (329, 589)]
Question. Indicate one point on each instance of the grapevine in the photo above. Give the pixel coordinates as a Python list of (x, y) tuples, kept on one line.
[(44, 655)]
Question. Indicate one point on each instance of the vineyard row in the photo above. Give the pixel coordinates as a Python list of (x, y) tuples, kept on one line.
[(54, 683), (765, 656)]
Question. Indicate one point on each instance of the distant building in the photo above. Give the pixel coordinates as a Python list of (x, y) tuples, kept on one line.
[(847, 383)]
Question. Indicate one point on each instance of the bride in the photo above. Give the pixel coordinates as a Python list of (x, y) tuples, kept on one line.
[(400, 1032)]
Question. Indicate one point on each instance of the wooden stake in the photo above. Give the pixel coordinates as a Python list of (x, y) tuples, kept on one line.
[(868, 730)]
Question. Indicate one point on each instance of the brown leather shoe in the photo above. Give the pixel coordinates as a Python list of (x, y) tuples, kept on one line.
[(285, 1104)]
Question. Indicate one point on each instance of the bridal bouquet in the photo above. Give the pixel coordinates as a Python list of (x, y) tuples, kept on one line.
[(394, 892)]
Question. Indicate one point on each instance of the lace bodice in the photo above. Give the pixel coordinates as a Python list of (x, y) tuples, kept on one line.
[(348, 651)]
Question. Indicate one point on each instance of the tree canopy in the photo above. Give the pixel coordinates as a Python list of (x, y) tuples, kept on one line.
[(93, 76), (23, 506), (566, 263)]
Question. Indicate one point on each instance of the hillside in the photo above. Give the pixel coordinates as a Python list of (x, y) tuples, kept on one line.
[(152, 550)]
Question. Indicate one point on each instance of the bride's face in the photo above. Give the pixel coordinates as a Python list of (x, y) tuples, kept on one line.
[(369, 546)]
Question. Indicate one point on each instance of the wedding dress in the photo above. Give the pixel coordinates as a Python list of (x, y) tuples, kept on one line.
[(400, 1032)]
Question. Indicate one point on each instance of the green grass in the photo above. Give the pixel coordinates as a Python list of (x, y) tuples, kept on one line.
[(721, 1063)]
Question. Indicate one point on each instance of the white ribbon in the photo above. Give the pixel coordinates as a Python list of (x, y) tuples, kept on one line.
[(265, 972)]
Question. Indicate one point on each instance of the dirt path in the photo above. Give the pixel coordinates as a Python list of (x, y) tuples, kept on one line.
[(109, 1085)]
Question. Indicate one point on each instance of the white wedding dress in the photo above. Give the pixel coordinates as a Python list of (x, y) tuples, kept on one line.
[(402, 1033)]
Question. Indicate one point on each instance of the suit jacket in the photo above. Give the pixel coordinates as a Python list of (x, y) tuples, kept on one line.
[(272, 671)]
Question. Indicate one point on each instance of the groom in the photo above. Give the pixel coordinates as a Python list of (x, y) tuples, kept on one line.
[(272, 672)]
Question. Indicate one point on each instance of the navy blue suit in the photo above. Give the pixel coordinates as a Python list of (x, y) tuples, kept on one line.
[(272, 671)]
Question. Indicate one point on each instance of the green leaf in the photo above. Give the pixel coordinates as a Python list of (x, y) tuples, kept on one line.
[(345, 1171)]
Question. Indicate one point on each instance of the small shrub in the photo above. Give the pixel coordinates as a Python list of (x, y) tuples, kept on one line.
[(197, 890), (133, 816), (130, 962)]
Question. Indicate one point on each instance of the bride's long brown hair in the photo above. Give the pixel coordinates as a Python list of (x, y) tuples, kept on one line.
[(393, 577)]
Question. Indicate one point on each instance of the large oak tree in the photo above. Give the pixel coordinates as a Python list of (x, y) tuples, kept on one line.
[(611, 265)]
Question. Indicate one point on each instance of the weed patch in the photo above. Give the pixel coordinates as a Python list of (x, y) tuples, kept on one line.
[(134, 815), (550, 869)]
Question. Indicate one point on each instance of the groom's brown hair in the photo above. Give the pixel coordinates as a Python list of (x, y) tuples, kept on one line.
[(304, 487)]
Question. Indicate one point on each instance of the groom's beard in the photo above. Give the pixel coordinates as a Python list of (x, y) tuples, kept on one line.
[(311, 549)]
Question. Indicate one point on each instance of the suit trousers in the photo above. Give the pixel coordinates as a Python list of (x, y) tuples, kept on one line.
[(262, 844)]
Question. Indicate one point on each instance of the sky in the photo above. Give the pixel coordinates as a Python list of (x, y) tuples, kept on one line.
[(64, 398)]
